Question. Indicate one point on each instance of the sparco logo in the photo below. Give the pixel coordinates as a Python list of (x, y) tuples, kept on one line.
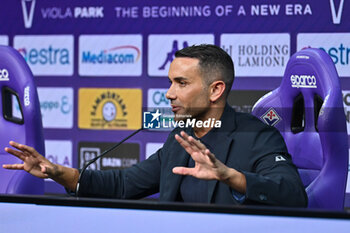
[(4, 75), (26, 96), (28, 12), (303, 81)]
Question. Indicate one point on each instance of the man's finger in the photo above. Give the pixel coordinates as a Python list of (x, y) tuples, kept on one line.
[(186, 145), (183, 171), (24, 148), (210, 155), (16, 153), (193, 141), (13, 166), (197, 143)]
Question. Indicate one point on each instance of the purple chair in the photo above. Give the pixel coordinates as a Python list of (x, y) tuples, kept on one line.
[(307, 109), (20, 121)]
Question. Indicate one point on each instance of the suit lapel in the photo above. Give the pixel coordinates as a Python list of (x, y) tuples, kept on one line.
[(221, 153), (172, 181), (219, 141)]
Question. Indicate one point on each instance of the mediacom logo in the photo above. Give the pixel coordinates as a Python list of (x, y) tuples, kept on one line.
[(258, 54), (162, 48), (48, 54), (109, 108), (337, 45), (56, 105), (110, 55)]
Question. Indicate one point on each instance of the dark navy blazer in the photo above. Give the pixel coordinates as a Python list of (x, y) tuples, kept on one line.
[(243, 142)]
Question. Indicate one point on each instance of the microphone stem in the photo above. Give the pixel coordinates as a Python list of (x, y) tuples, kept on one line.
[(99, 156)]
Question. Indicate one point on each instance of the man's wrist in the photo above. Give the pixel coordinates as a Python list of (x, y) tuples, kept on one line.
[(235, 179)]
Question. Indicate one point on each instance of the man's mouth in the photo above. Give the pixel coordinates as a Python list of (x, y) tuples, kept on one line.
[(175, 108)]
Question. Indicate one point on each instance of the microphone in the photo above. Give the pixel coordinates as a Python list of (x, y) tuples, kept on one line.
[(99, 156)]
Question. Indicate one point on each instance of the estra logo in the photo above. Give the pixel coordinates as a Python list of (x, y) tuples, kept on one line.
[(162, 49), (47, 54), (110, 55), (337, 45)]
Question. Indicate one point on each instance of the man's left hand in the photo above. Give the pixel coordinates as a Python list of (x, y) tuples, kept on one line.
[(207, 166)]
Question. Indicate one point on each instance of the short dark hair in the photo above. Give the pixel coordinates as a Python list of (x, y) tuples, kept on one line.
[(215, 64)]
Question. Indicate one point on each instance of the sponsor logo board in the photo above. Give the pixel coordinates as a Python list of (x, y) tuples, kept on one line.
[(337, 45), (258, 55), (47, 54), (152, 148), (56, 105), (110, 55), (162, 48), (157, 100), (346, 104), (126, 155), (112, 108), (59, 152), (4, 40)]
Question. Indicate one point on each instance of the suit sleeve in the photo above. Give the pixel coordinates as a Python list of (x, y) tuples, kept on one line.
[(274, 179), (135, 182)]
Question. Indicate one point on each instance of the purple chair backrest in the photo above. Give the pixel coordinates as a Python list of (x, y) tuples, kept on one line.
[(307, 109), (20, 121)]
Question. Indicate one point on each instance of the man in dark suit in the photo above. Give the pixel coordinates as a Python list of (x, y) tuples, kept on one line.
[(237, 159)]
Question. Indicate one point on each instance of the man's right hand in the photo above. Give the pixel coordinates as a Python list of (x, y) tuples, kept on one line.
[(39, 166), (33, 162)]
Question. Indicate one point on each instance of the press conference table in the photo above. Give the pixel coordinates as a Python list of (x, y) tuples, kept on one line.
[(23, 213)]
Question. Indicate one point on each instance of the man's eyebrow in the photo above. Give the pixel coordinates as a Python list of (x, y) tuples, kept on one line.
[(178, 79)]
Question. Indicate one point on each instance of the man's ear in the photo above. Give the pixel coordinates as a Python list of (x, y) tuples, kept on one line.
[(217, 89)]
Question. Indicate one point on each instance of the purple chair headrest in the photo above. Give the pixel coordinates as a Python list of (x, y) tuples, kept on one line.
[(20, 120), (307, 109)]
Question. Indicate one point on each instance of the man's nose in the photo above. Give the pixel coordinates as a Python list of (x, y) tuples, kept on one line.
[(171, 94)]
